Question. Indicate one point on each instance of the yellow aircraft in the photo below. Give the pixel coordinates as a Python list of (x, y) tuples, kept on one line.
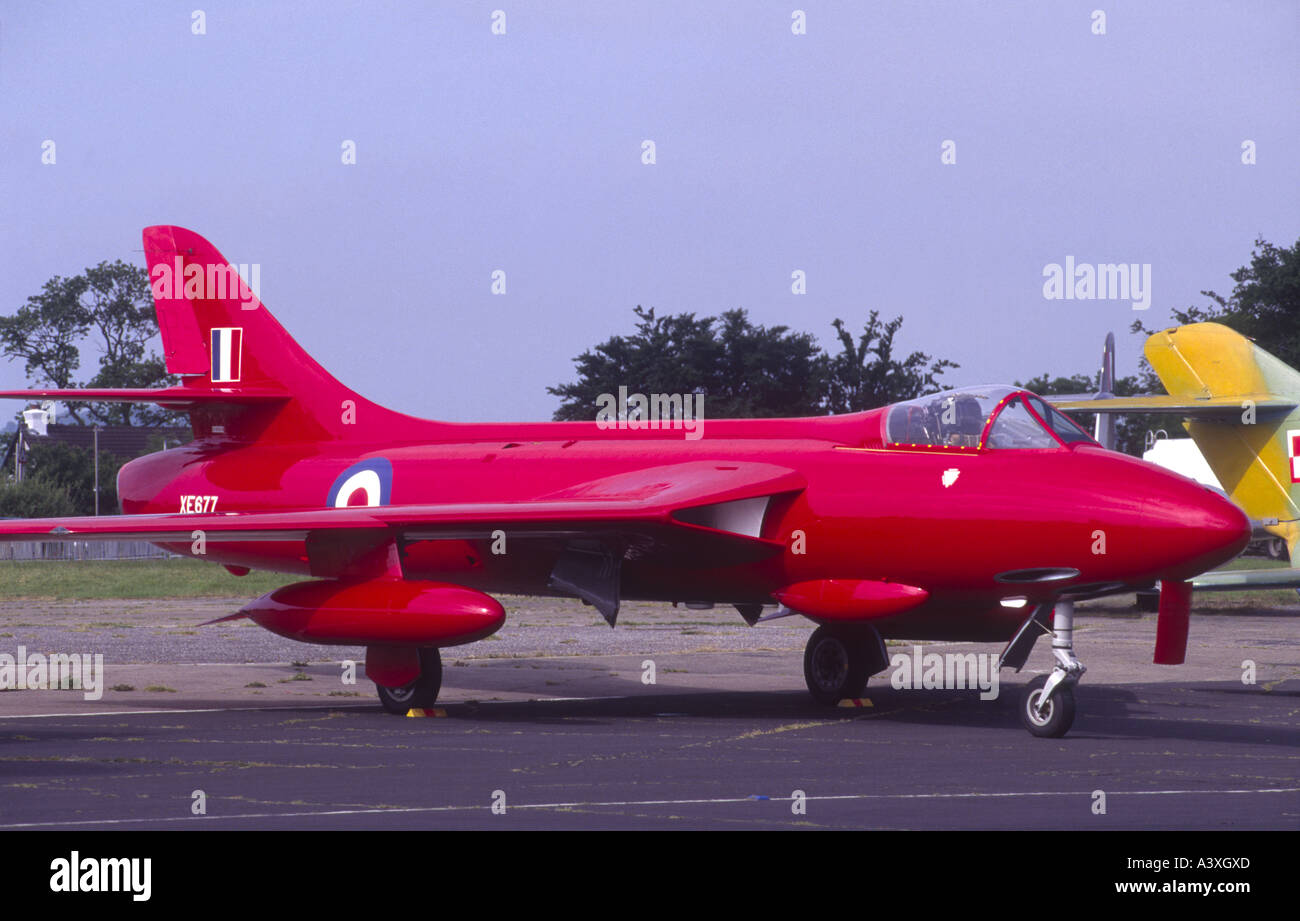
[(1239, 404)]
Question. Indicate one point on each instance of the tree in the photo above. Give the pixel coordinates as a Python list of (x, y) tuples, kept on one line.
[(110, 306), (742, 369), (865, 374), (72, 471), (749, 371), (34, 499), (1264, 304)]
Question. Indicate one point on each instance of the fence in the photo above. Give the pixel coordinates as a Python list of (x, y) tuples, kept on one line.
[(82, 550)]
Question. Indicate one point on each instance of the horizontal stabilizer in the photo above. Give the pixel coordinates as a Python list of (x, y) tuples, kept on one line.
[(1220, 407), (170, 397)]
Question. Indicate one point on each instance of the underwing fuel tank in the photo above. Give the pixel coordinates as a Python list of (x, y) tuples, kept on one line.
[(389, 612), (828, 600)]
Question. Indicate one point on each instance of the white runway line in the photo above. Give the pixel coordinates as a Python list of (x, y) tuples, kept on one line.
[(651, 802)]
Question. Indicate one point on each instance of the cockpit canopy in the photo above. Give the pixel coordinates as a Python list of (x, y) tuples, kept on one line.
[(980, 417)]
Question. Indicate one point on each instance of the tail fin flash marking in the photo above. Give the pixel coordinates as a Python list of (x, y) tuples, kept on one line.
[(227, 349)]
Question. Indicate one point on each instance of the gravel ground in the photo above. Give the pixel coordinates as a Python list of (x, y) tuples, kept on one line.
[(156, 654), (166, 631)]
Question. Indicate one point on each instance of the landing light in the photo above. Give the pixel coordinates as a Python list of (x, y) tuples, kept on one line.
[(1014, 602)]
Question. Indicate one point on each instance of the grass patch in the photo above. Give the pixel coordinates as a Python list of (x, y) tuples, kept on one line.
[(77, 580), (160, 689)]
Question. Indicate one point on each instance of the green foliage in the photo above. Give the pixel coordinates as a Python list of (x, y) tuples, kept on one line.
[(34, 499), (1045, 385), (742, 369), (865, 374), (747, 370), (72, 470), (1264, 304), (109, 307)]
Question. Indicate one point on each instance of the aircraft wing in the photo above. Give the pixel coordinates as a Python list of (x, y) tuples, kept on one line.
[(1195, 407), (1246, 580), (701, 513)]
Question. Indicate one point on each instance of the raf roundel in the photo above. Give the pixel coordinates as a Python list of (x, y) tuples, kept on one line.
[(367, 483)]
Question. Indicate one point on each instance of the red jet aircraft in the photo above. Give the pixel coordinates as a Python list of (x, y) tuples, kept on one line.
[(980, 514)]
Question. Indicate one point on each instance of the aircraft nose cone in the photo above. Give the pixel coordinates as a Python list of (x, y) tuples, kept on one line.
[(1199, 528)]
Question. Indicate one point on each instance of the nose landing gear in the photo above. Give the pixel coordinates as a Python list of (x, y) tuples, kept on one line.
[(1047, 703)]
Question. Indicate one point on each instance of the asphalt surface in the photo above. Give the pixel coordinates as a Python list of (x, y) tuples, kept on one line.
[(554, 723)]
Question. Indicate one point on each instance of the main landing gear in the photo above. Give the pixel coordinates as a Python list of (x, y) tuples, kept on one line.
[(1047, 702), (839, 659), (420, 693)]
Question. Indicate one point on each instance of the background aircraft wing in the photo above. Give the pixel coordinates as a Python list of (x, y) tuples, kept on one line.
[(1194, 407), (1246, 580)]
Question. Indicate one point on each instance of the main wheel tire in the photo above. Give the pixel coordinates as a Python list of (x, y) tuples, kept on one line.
[(1059, 716), (420, 693), (835, 664)]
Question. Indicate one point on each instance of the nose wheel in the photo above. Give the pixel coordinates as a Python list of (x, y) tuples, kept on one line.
[(1050, 718)]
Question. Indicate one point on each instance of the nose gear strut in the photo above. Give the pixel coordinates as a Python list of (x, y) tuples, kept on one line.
[(1047, 703)]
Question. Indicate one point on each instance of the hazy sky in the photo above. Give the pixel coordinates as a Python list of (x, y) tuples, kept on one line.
[(774, 152)]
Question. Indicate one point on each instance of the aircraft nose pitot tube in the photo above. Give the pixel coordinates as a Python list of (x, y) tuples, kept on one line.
[(390, 612)]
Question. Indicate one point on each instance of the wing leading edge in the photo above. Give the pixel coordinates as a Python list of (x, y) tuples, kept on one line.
[(701, 512)]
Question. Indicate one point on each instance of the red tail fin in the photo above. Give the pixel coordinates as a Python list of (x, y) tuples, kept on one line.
[(219, 336), (244, 377)]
